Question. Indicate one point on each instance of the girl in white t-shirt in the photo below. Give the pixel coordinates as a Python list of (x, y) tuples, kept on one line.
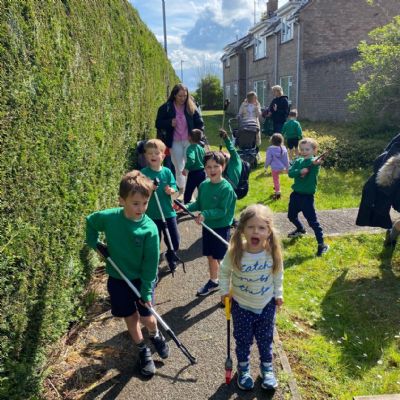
[(251, 274)]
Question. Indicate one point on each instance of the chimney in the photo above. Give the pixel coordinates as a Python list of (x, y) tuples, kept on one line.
[(272, 6)]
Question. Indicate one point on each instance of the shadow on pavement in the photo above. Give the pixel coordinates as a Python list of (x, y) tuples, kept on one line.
[(225, 392)]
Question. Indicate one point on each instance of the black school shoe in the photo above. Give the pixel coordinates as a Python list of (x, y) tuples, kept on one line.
[(296, 233), (322, 249), (160, 345), (146, 363)]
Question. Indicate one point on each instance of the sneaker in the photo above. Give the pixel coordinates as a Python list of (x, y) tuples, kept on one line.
[(147, 367), (322, 249), (296, 233), (209, 287), (160, 345), (244, 379), (268, 378), (276, 196)]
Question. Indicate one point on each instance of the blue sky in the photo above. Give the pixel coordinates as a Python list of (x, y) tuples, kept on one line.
[(198, 30)]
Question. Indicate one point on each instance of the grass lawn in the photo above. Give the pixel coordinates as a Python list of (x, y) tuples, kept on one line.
[(340, 324), (336, 189)]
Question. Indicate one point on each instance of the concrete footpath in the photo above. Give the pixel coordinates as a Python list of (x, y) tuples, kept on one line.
[(99, 362)]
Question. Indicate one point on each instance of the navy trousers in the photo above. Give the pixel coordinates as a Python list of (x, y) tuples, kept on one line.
[(173, 231), (304, 203), (248, 325), (194, 179)]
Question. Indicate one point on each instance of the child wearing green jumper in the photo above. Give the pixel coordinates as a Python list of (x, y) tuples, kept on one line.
[(305, 172), (194, 167), (216, 202), (292, 133), (133, 243), (155, 153)]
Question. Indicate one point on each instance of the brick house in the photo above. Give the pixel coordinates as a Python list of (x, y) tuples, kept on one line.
[(307, 47)]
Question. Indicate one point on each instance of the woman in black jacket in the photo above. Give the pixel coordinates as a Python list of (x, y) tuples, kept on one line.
[(278, 109), (175, 119)]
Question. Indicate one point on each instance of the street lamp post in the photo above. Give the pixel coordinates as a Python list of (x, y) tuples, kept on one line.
[(165, 28), (182, 61)]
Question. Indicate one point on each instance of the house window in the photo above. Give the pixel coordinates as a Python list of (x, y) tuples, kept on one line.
[(227, 62), (286, 84), (260, 47), (286, 30), (260, 87), (227, 92), (235, 89)]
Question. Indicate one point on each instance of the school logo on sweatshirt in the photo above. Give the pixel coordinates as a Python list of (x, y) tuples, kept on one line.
[(137, 242)]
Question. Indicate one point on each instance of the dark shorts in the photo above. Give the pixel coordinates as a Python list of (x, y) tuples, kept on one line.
[(124, 303), (214, 247), (292, 143)]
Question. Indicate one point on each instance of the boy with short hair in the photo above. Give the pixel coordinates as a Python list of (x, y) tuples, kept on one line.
[(194, 167), (305, 170), (133, 243), (292, 132), (154, 151)]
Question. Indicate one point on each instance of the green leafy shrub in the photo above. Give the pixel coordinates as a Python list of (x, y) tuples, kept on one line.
[(79, 82)]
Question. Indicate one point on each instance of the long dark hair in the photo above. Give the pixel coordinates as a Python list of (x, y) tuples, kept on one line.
[(189, 104)]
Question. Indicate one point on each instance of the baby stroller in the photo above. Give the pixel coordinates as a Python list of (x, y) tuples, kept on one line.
[(245, 139)]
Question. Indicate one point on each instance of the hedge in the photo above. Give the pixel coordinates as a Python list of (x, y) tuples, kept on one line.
[(80, 82)]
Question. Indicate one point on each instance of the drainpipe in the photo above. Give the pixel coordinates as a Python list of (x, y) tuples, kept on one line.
[(298, 65)]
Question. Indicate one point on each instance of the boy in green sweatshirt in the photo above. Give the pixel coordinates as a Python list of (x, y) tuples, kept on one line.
[(292, 132), (133, 244), (154, 151), (305, 172), (216, 202), (194, 167)]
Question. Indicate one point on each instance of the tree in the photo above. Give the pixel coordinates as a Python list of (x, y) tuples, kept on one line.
[(209, 93), (377, 100)]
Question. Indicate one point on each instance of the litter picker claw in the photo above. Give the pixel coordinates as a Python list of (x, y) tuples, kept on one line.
[(104, 252)]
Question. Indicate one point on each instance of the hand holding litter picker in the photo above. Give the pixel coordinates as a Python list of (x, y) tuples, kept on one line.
[(177, 202), (228, 361), (317, 161), (104, 252), (171, 256)]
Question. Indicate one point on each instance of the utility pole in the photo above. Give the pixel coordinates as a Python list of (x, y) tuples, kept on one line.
[(254, 12), (165, 28), (182, 61)]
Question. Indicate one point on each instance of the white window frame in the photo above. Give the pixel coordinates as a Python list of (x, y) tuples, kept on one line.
[(286, 82), (235, 89), (260, 47), (227, 92), (227, 62), (286, 30), (260, 87)]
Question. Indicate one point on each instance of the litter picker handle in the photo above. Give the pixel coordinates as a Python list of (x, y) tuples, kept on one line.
[(203, 224), (103, 250), (228, 308)]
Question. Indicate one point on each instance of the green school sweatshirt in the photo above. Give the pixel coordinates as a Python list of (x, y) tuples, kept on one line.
[(216, 201), (194, 157), (234, 167), (165, 177), (133, 245), (308, 184), (292, 129)]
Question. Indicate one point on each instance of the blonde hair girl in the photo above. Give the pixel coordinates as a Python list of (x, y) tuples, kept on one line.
[(252, 274)]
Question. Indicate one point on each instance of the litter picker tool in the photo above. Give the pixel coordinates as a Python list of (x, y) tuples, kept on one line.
[(320, 157), (203, 224), (104, 252), (226, 105), (171, 256), (228, 361)]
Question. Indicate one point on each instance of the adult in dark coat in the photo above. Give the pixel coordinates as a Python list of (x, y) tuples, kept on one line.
[(278, 110), (175, 119), (377, 200)]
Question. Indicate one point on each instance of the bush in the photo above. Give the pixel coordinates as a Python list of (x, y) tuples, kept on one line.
[(79, 83)]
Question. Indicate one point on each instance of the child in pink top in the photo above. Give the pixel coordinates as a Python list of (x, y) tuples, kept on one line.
[(277, 158)]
